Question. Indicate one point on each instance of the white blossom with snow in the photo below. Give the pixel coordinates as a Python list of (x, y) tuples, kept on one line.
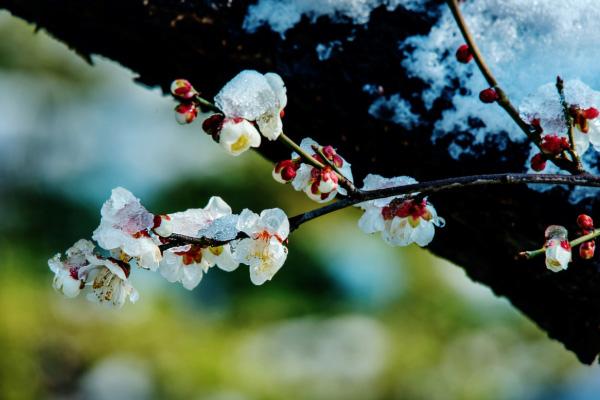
[(187, 264), (263, 251), (255, 97), (401, 222), (124, 225)]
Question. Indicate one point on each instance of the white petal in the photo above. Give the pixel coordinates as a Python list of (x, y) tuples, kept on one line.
[(217, 207), (247, 222), (371, 221), (270, 125), (302, 178), (582, 142), (191, 275), (275, 222), (594, 133), (238, 137), (278, 87), (423, 233)]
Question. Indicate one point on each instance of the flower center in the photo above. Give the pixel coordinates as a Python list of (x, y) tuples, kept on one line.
[(240, 144)]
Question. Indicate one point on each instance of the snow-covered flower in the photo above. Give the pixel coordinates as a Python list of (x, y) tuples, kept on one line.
[(187, 264), (109, 281), (400, 221), (66, 273), (186, 113), (321, 185), (237, 135), (263, 250), (125, 225), (183, 89), (558, 249), (255, 97)]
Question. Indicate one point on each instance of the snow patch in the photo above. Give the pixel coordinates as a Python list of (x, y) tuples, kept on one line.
[(526, 46), (282, 15)]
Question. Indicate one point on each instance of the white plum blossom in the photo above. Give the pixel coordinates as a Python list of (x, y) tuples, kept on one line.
[(557, 248), (400, 221), (263, 251), (187, 264), (320, 185), (255, 97), (106, 278), (109, 283), (66, 273), (237, 135), (124, 225)]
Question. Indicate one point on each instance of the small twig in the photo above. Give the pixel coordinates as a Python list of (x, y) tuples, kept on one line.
[(503, 100), (526, 255), (560, 87)]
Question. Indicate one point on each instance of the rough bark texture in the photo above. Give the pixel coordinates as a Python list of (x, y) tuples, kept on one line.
[(203, 41)]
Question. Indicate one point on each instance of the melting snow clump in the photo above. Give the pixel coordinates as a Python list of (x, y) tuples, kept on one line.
[(395, 109), (282, 15)]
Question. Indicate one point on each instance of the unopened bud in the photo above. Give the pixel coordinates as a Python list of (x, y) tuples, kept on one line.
[(186, 113), (587, 249), (488, 95), (463, 54), (585, 222)]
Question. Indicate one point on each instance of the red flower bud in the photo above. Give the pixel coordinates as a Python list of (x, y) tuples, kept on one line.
[(488, 95), (288, 173), (590, 113), (554, 144), (213, 124), (183, 89), (186, 113), (538, 162), (463, 54), (587, 249), (585, 222)]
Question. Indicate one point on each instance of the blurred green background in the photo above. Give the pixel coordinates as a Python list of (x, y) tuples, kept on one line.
[(346, 318)]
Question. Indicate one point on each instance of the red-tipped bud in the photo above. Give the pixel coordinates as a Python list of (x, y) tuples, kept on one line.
[(183, 89), (587, 249), (488, 95), (585, 222), (288, 173), (537, 125), (538, 162), (554, 144), (463, 54), (590, 113), (213, 124), (186, 113), (285, 171)]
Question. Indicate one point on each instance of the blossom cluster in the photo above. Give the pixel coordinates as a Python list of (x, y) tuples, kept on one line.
[(400, 220), (319, 184), (130, 236), (251, 105)]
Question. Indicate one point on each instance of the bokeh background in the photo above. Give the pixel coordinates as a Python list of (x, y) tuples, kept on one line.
[(346, 318)]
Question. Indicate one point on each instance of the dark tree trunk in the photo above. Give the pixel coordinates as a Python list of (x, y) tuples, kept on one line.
[(204, 42)]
